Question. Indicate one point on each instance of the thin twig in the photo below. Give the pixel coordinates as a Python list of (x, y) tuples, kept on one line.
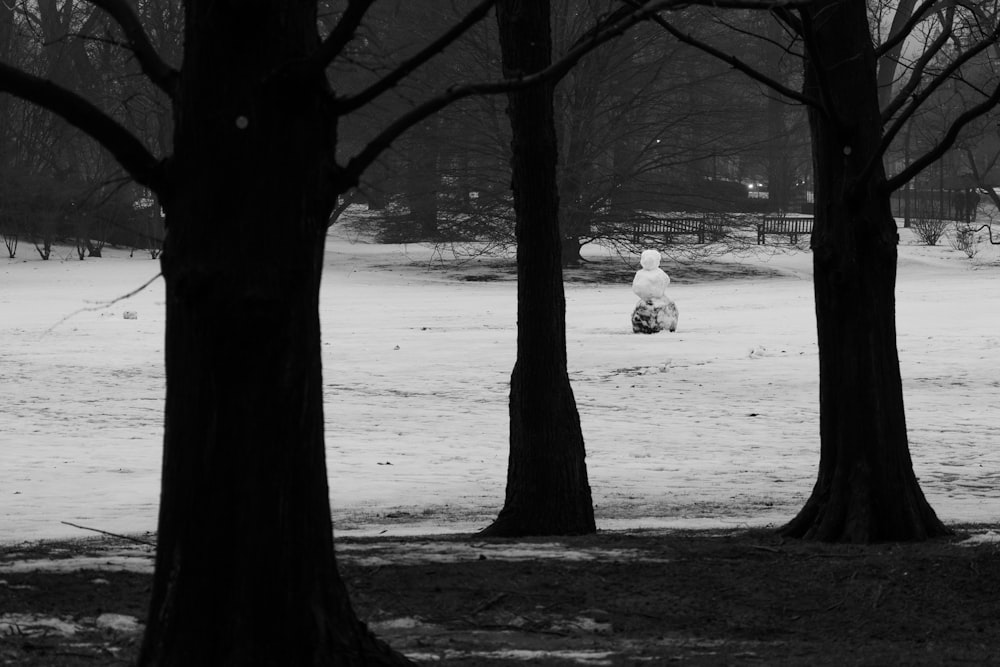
[(348, 104), (105, 532), (489, 603), (131, 153), (165, 77), (101, 305), (989, 230)]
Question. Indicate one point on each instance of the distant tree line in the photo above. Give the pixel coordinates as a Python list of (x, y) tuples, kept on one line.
[(645, 126), (648, 126)]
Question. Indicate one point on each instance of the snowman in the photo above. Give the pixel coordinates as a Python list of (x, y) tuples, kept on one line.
[(655, 310)]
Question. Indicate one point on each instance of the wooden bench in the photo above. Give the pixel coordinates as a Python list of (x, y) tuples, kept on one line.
[(703, 228), (780, 224)]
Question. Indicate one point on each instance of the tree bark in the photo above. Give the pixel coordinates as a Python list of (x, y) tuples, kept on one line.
[(423, 181), (547, 488), (779, 170), (866, 489), (576, 129), (245, 568), (7, 46)]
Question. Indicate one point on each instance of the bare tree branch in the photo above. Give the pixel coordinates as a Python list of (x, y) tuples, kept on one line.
[(899, 33), (785, 48), (945, 144), (159, 72), (917, 74), (134, 157), (888, 53), (554, 72), (610, 27), (348, 104), (791, 22), (978, 173), (736, 63), (935, 83), (989, 230), (104, 532), (342, 33)]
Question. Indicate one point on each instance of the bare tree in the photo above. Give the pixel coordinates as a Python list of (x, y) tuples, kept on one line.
[(547, 488), (866, 489), (645, 128), (245, 567)]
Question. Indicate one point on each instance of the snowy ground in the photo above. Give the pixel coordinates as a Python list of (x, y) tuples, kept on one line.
[(715, 425)]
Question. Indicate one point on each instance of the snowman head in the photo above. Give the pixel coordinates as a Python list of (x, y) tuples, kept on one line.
[(650, 259)]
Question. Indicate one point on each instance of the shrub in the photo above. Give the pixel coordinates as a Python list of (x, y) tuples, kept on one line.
[(966, 239), (10, 230), (929, 230)]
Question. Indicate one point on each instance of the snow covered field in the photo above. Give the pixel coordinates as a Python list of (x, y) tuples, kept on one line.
[(714, 425)]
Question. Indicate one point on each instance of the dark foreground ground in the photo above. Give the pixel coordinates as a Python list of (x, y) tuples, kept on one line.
[(613, 599)]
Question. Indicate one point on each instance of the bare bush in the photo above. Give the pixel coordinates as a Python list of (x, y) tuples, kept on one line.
[(10, 231), (966, 239), (929, 230)]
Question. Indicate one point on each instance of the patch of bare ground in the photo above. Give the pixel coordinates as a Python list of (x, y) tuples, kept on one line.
[(616, 598)]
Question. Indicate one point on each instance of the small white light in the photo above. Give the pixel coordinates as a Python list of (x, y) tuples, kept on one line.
[(847, 150), (242, 122)]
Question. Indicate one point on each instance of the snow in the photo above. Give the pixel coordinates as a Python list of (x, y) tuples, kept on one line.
[(714, 425), (140, 563), (583, 657), (40, 625), (22, 624), (118, 623), (584, 624), (580, 657)]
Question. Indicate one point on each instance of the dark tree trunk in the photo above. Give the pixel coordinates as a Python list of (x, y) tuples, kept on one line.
[(7, 45), (375, 186), (547, 488), (245, 569), (575, 131), (570, 189), (423, 181), (866, 490), (778, 189), (778, 162)]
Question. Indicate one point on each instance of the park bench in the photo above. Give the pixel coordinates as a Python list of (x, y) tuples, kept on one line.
[(780, 224), (703, 228)]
